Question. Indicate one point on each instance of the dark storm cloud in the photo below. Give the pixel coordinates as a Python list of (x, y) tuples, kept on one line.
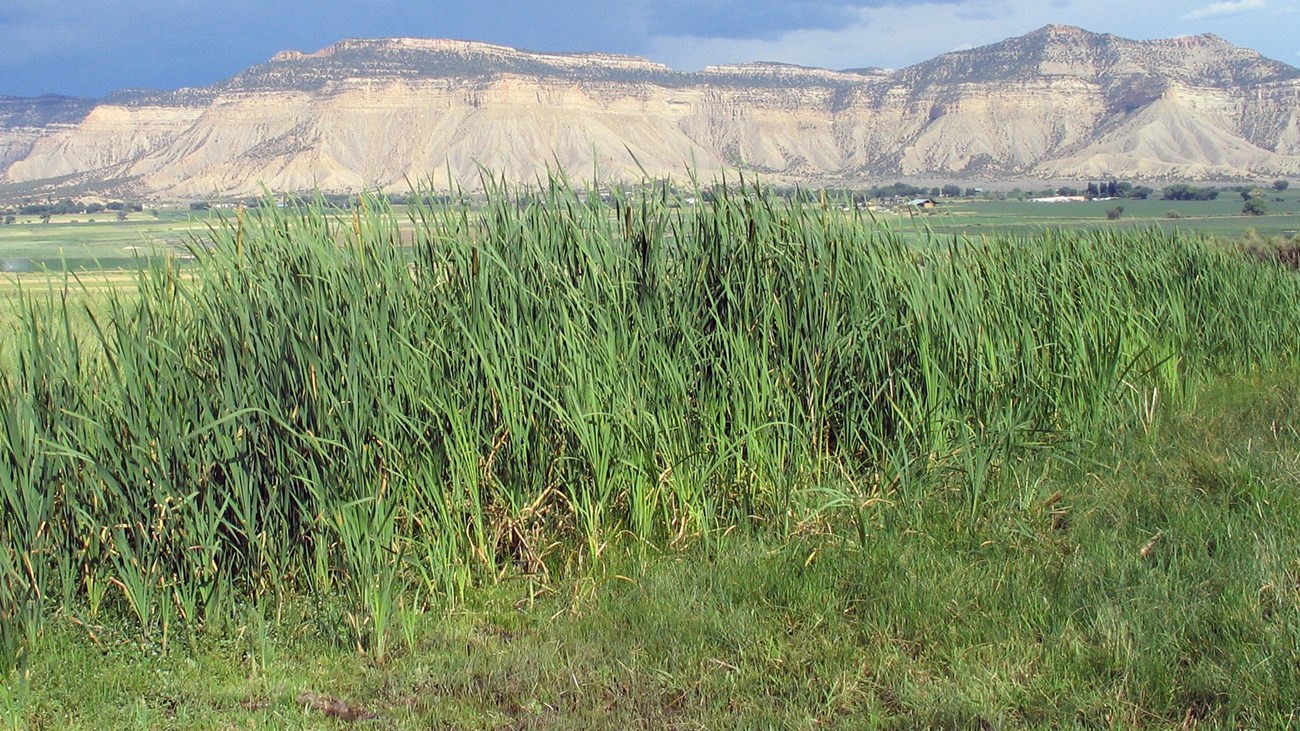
[(89, 48)]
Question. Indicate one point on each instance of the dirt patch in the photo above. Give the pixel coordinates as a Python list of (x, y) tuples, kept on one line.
[(334, 707)]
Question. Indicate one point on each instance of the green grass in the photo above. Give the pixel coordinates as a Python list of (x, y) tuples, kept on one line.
[(809, 429), (1024, 615)]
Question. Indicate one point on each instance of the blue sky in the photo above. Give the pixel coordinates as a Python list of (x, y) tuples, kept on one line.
[(88, 48)]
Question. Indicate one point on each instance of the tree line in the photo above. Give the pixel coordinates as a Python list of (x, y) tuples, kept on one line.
[(68, 206)]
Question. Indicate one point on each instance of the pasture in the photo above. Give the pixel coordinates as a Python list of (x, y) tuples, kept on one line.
[(556, 463), (77, 243), (1222, 217), (84, 242)]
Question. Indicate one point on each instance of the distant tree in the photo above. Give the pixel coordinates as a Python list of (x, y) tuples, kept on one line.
[(1184, 192), (1113, 214), (935, 192), (896, 190), (67, 206), (121, 215), (1093, 191), (950, 191), (1280, 185), (1112, 189), (9, 219), (1141, 192), (200, 206), (1067, 191), (95, 208), (1254, 207)]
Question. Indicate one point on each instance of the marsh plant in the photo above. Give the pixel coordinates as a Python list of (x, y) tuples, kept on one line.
[(393, 404)]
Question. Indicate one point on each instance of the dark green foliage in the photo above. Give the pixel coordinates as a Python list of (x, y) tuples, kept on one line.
[(898, 190), (1183, 192), (68, 206)]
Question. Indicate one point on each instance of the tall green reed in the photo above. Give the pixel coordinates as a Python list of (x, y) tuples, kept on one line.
[(371, 405)]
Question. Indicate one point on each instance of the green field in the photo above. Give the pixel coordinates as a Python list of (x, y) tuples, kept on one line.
[(551, 463), (76, 243), (1221, 217)]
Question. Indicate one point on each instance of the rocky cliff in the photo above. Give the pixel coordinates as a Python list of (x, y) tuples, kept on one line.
[(1060, 102)]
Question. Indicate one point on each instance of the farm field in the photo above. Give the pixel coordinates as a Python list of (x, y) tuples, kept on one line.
[(552, 463), (78, 243), (75, 242), (1221, 217)]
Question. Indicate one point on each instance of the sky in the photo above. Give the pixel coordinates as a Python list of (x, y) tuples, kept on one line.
[(91, 47)]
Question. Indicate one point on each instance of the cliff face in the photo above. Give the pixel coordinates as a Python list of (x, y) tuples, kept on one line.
[(1059, 102), (25, 121)]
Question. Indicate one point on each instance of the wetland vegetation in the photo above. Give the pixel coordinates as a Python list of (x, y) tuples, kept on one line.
[(556, 461)]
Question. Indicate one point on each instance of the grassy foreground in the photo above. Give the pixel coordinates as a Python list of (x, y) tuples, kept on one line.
[(746, 450), (1154, 583)]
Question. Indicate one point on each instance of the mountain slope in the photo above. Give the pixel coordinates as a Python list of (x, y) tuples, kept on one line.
[(1058, 102), (24, 121)]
